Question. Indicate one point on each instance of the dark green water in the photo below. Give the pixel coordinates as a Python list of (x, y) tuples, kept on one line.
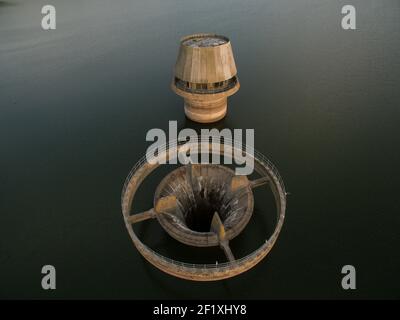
[(76, 103)]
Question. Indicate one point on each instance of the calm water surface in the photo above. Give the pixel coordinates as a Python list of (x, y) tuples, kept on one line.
[(76, 103)]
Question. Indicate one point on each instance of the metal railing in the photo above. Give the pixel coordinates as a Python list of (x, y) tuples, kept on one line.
[(197, 266), (199, 139), (209, 89)]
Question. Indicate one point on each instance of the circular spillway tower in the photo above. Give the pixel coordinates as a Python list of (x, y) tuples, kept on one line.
[(205, 76)]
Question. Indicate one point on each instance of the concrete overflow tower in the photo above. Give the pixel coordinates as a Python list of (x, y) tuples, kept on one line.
[(205, 76)]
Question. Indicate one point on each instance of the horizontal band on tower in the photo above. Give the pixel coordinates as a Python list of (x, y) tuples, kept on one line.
[(205, 88)]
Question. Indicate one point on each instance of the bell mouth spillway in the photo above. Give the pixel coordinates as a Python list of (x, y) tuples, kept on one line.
[(268, 177), (201, 191)]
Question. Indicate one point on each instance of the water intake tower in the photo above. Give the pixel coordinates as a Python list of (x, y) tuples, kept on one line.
[(205, 76)]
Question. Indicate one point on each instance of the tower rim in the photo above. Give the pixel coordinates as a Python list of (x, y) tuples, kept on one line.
[(184, 40)]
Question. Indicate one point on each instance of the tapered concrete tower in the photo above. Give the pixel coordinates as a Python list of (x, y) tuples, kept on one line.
[(205, 76)]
